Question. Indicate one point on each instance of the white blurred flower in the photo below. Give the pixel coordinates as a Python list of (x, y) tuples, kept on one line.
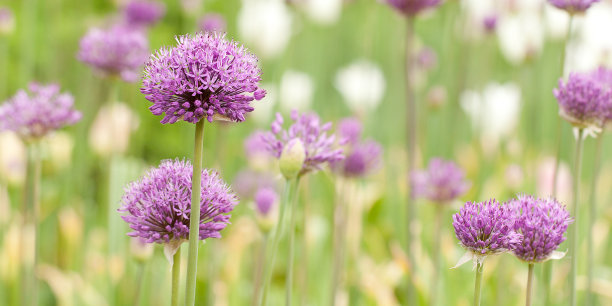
[(265, 108), (59, 145), (593, 44), (494, 112), (521, 36), (557, 22), (265, 25), (476, 12), (296, 91), (111, 129), (322, 11), (362, 85), (12, 158)]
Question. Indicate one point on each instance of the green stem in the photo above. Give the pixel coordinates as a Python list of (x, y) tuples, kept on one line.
[(176, 272), (275, 241), (573, 234), (338, 242), (194, 223), (529, 285), (478, 283), (411, 147), (259, 266), (30, 215), (436, 254), (289, 283), (590, 298)]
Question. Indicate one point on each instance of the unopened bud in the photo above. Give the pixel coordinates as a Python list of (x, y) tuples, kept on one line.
[(292, 159)]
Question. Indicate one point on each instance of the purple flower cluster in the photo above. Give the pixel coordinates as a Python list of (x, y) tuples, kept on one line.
[(205, 75), (320, 147), (412, 7), (35, 114), (361, 157), (573, 6), (117, 51), (542, 223), (486, 228), (604, 77), (144, 12), (583, 100), (442, 181), (265, 198), (158, 206), (213, 23)]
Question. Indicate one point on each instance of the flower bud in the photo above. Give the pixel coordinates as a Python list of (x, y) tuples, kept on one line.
[(292, 159)]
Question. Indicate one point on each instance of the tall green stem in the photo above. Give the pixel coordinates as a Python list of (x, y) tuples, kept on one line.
[(339, 243), (590, 298), (478, 283), (176, 272), (529, 285), (410, 147), (289, 282), (194, 223), (259, 267), (29, 241), (573, 234), (436, 254), (289, 189)]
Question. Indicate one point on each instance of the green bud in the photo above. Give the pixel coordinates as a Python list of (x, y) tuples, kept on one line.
[(292, 159)]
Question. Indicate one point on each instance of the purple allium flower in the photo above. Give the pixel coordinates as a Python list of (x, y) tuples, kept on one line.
[(542, 223), (442, 181), (35, 114), (582, 100), (362, 159), (265, 198), (604, 78), (213, 23), (490, 23), (486, 228), (349, 130), (158, 206), (254, 146), (117, 51), (144, 12), (7, 20), (308, 129), (205, 75), (247, 182), (573, 6), (412, 7)]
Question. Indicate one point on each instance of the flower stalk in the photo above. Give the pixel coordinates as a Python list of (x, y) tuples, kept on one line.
[(590, 298), (478, 283), (573, 234), (29, 241), (176, 273), (293, 203), (529, 285)]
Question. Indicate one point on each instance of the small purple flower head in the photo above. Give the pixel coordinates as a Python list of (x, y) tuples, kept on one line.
[(349, 130), (582, 100), (33, 115), (254, 146), (265, 199), (573, 6), (213, 23), (604, 77), (144, 12), (486, 228), (362, 159), (7, 21), (412, 7), (204, 76), (319, 147), (542, 223), (442, 181), (118, 51), (158, 206), (490, 23)]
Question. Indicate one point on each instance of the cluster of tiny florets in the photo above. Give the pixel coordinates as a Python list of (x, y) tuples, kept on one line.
[(442, 181), (583, 100), (361, 157)]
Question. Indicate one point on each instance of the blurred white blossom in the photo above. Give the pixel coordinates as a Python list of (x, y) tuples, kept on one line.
[(296, 91), (12, 158), (265, 25), (322, 11), (521, 36), (592, 46), (362, 85), (111, 129)]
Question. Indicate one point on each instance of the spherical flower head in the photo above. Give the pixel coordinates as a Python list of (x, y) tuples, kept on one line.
[(542, 223), (412, 7), (35, 114), (349, 130), (582, 100), (362, 159), (213, 23), (7, 21), (442, 181), (204, 76), (573, 6), (490, 23), (318, 145), (265, 199), (158, 206), (119, 51), (604, 77), (144, 12), (486, 228)]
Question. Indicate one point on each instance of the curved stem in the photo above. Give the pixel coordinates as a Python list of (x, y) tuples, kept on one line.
[(590, 299), (478, 283), (529, 285), (176, 272), (194, 223), (573, 234), (289, 283)]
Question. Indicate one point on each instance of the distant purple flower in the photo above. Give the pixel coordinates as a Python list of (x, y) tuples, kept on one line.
[(204, 76), (490, 23), (412, 7), (7, 20), (542, 223), (604, 77), (361, 158), (426, 59), (254, 146), (573, 6), (247, 182), (582, 100), (319, 146), (265, 198), (144, 12), (349, 130), (442, 181), (486, 228), (117, 51), (158, 206), (213, 23), (33, 115)]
